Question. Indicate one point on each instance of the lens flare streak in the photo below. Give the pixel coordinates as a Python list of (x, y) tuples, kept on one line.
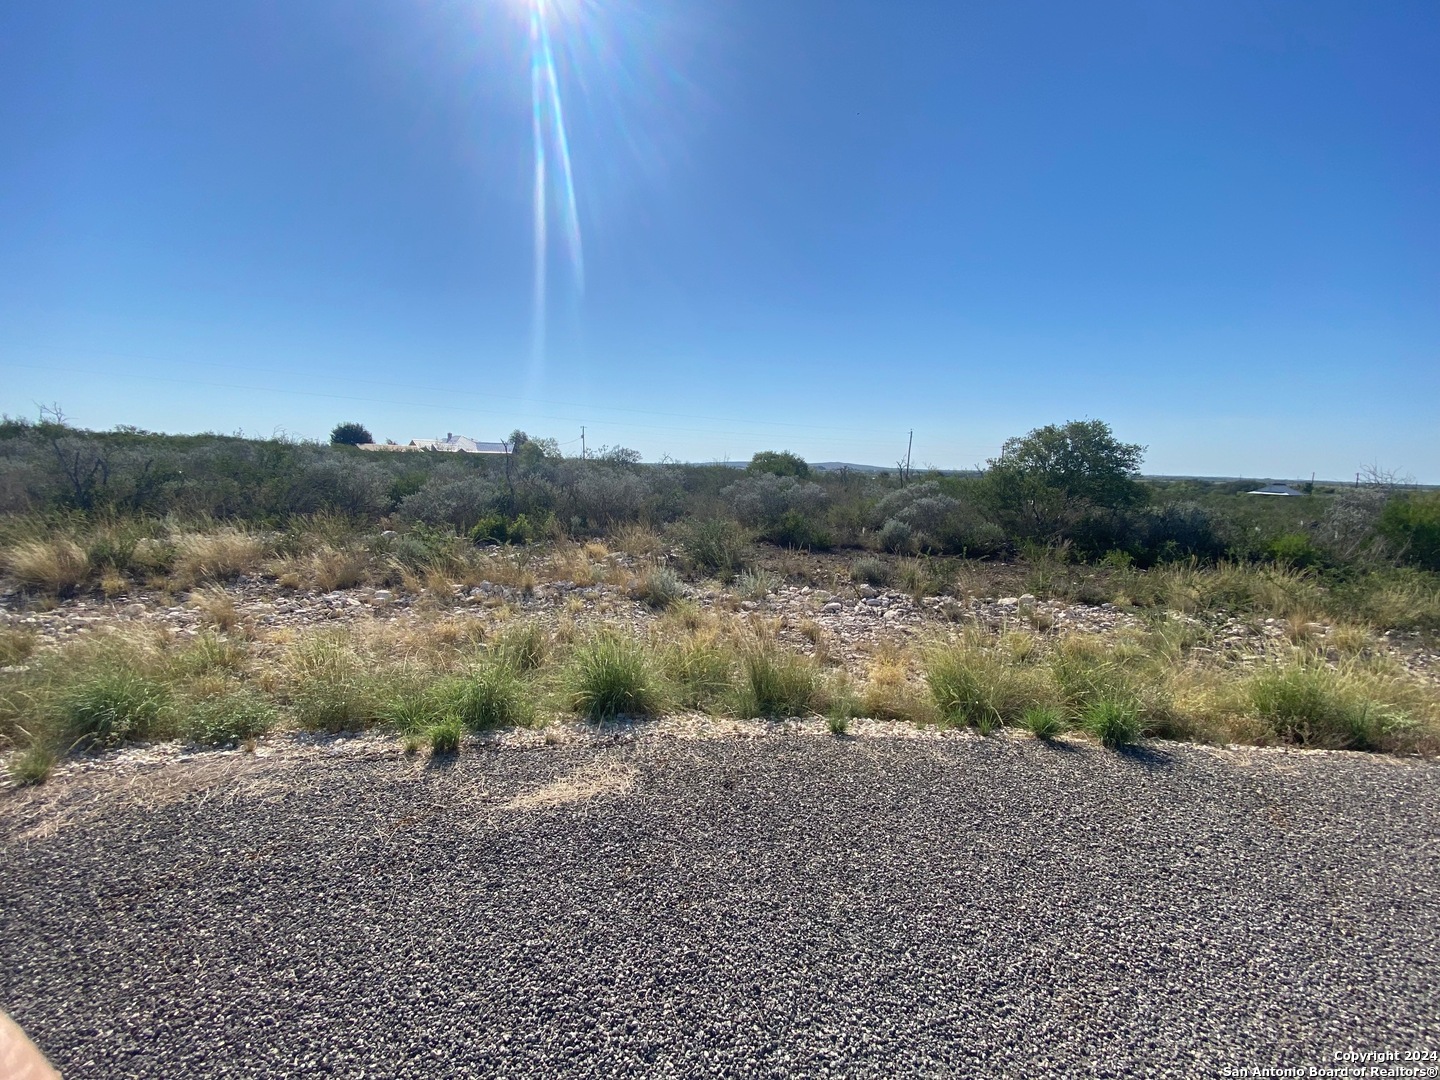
[(546, 107)]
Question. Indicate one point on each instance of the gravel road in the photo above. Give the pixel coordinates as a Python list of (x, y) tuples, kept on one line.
[(789, 905)]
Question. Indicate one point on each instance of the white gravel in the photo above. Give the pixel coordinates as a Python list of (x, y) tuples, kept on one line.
[(772, 906)]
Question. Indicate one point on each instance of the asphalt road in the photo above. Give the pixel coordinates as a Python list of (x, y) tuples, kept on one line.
[(784, 906)]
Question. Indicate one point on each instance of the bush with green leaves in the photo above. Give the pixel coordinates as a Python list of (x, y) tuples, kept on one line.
[(897, 537), (712, 546), (1045, 482), (1411, 524), (779, 463)]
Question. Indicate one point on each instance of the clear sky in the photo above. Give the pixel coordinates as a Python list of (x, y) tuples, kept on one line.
[(803, 224)]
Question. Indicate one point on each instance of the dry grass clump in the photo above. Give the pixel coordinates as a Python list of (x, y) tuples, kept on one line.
[(639, 541), (893, 692), (57, 565), (221, 555), (216, 607), (16, 645)]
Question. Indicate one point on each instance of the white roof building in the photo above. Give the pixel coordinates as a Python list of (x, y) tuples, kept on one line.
[(459, 444)]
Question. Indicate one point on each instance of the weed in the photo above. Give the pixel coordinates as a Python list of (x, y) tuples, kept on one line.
[(15, 646), (776, 684), (228, 718), (971, 686), (492, 697), (756, 584), (701, 671), (870, 571), (1306, 702), (712, 547), (216, 556), (523, 647), (838, 723), (112, 705)]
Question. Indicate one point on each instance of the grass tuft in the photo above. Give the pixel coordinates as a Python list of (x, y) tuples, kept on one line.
[(775, 684), (1043, 721), (32, 765), (444, 736), (57, 566), (1113, 723), (612, 676), (659, 587)]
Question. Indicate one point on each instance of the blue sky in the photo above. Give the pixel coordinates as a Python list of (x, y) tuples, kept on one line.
[(805, 225)]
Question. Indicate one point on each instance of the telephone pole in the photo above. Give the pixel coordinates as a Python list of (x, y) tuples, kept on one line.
[(582, 442), (908, 447)]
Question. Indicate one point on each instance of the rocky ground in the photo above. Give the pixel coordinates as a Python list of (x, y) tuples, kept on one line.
[(778, 902)]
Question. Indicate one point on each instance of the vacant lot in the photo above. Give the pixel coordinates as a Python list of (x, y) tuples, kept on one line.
[(785, 904)]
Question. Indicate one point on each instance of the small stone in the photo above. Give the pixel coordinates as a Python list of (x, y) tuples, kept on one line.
[(1008, 601)]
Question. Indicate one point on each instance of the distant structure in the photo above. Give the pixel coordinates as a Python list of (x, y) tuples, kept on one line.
[(1275, 489), (451, 444)]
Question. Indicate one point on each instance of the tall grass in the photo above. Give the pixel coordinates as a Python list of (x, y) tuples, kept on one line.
[(612, 676), (776, 684)]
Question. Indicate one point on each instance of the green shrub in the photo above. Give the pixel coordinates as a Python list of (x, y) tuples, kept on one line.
[(112, 706), (776, 684), (897, 537), (779, 463), (713, 547), (611, 676), (795, 529), (497, 529), (870, 571), (1294, 549), (1412, 525), (1113, 723), (228, 718)]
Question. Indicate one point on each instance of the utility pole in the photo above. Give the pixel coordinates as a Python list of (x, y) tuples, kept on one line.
[(582, 442), (908, 447)]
